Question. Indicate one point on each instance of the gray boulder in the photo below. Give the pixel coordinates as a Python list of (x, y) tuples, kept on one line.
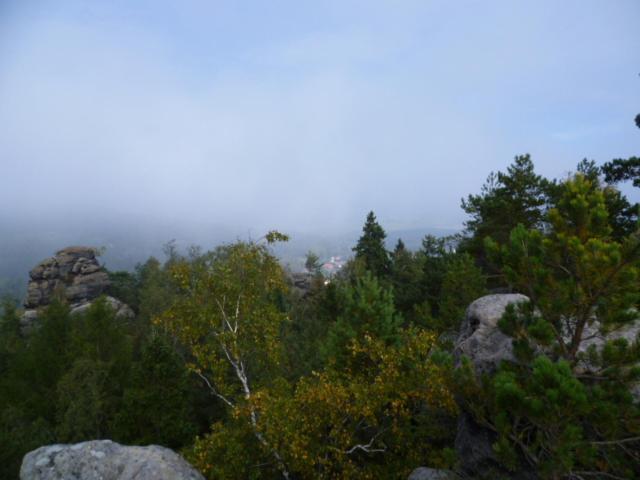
[(480, 339), (424, 473), (105, 460), (486, 346)]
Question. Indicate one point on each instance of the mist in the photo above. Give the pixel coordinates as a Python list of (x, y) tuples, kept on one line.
[(232, 118)]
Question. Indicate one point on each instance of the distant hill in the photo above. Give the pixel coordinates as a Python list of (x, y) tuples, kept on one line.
[(126, 242)]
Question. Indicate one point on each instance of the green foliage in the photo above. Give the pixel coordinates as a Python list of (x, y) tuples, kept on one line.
[(38, 367), (250, 380), (227, 302), (371, 249), (89, 394), (377, 420), (462, 283), (10, 339), (312, 263), (101, 336), (19, 434), (449, 282), (86, 404), (311, 317), (575, 271), (156, 289), (565, 407), (367, 308), (622, 215), (274, 236), (228, 318), (124, 286), (518, 196), (157, 407), (230, 450), (369, 393), (622, 170), (406, 279), (65, 382), (434, 268), (32, 368), (560, 422)]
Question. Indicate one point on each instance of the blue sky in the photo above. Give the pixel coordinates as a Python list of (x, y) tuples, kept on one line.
[(304, 115)]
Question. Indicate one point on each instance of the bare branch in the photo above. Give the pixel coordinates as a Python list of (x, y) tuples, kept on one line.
[(214, 391), (616, 442), (237, 314), (367, 448), (233, 363), (225, 319)]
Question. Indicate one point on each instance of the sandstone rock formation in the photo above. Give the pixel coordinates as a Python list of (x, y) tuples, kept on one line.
[(486, 346), (105, 460), (480, 339), (75, 274)]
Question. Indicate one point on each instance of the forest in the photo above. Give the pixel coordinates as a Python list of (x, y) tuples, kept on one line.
[(357, 376)]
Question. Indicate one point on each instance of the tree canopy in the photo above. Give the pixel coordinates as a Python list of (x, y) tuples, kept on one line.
[(371, 250)]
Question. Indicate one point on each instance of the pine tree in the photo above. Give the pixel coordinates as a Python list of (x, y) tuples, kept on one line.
[(367, 309), (562, 406), (156, 406), (462, 283), (434, 268), (623, 169), (622, 215), (89, 393), (406, 275), (517, 196), (371, 250)]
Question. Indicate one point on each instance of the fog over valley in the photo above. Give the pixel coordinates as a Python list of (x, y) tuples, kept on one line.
[(126, 125)]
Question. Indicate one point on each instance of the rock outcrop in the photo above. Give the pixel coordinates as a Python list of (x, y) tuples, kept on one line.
[(105, 460), (75, 275), (74, 271), (480, 339)]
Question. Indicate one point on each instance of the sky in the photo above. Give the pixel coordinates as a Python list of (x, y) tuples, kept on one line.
[(302, 115)]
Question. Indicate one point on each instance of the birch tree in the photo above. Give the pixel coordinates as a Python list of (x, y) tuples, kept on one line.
[(227, 317)]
